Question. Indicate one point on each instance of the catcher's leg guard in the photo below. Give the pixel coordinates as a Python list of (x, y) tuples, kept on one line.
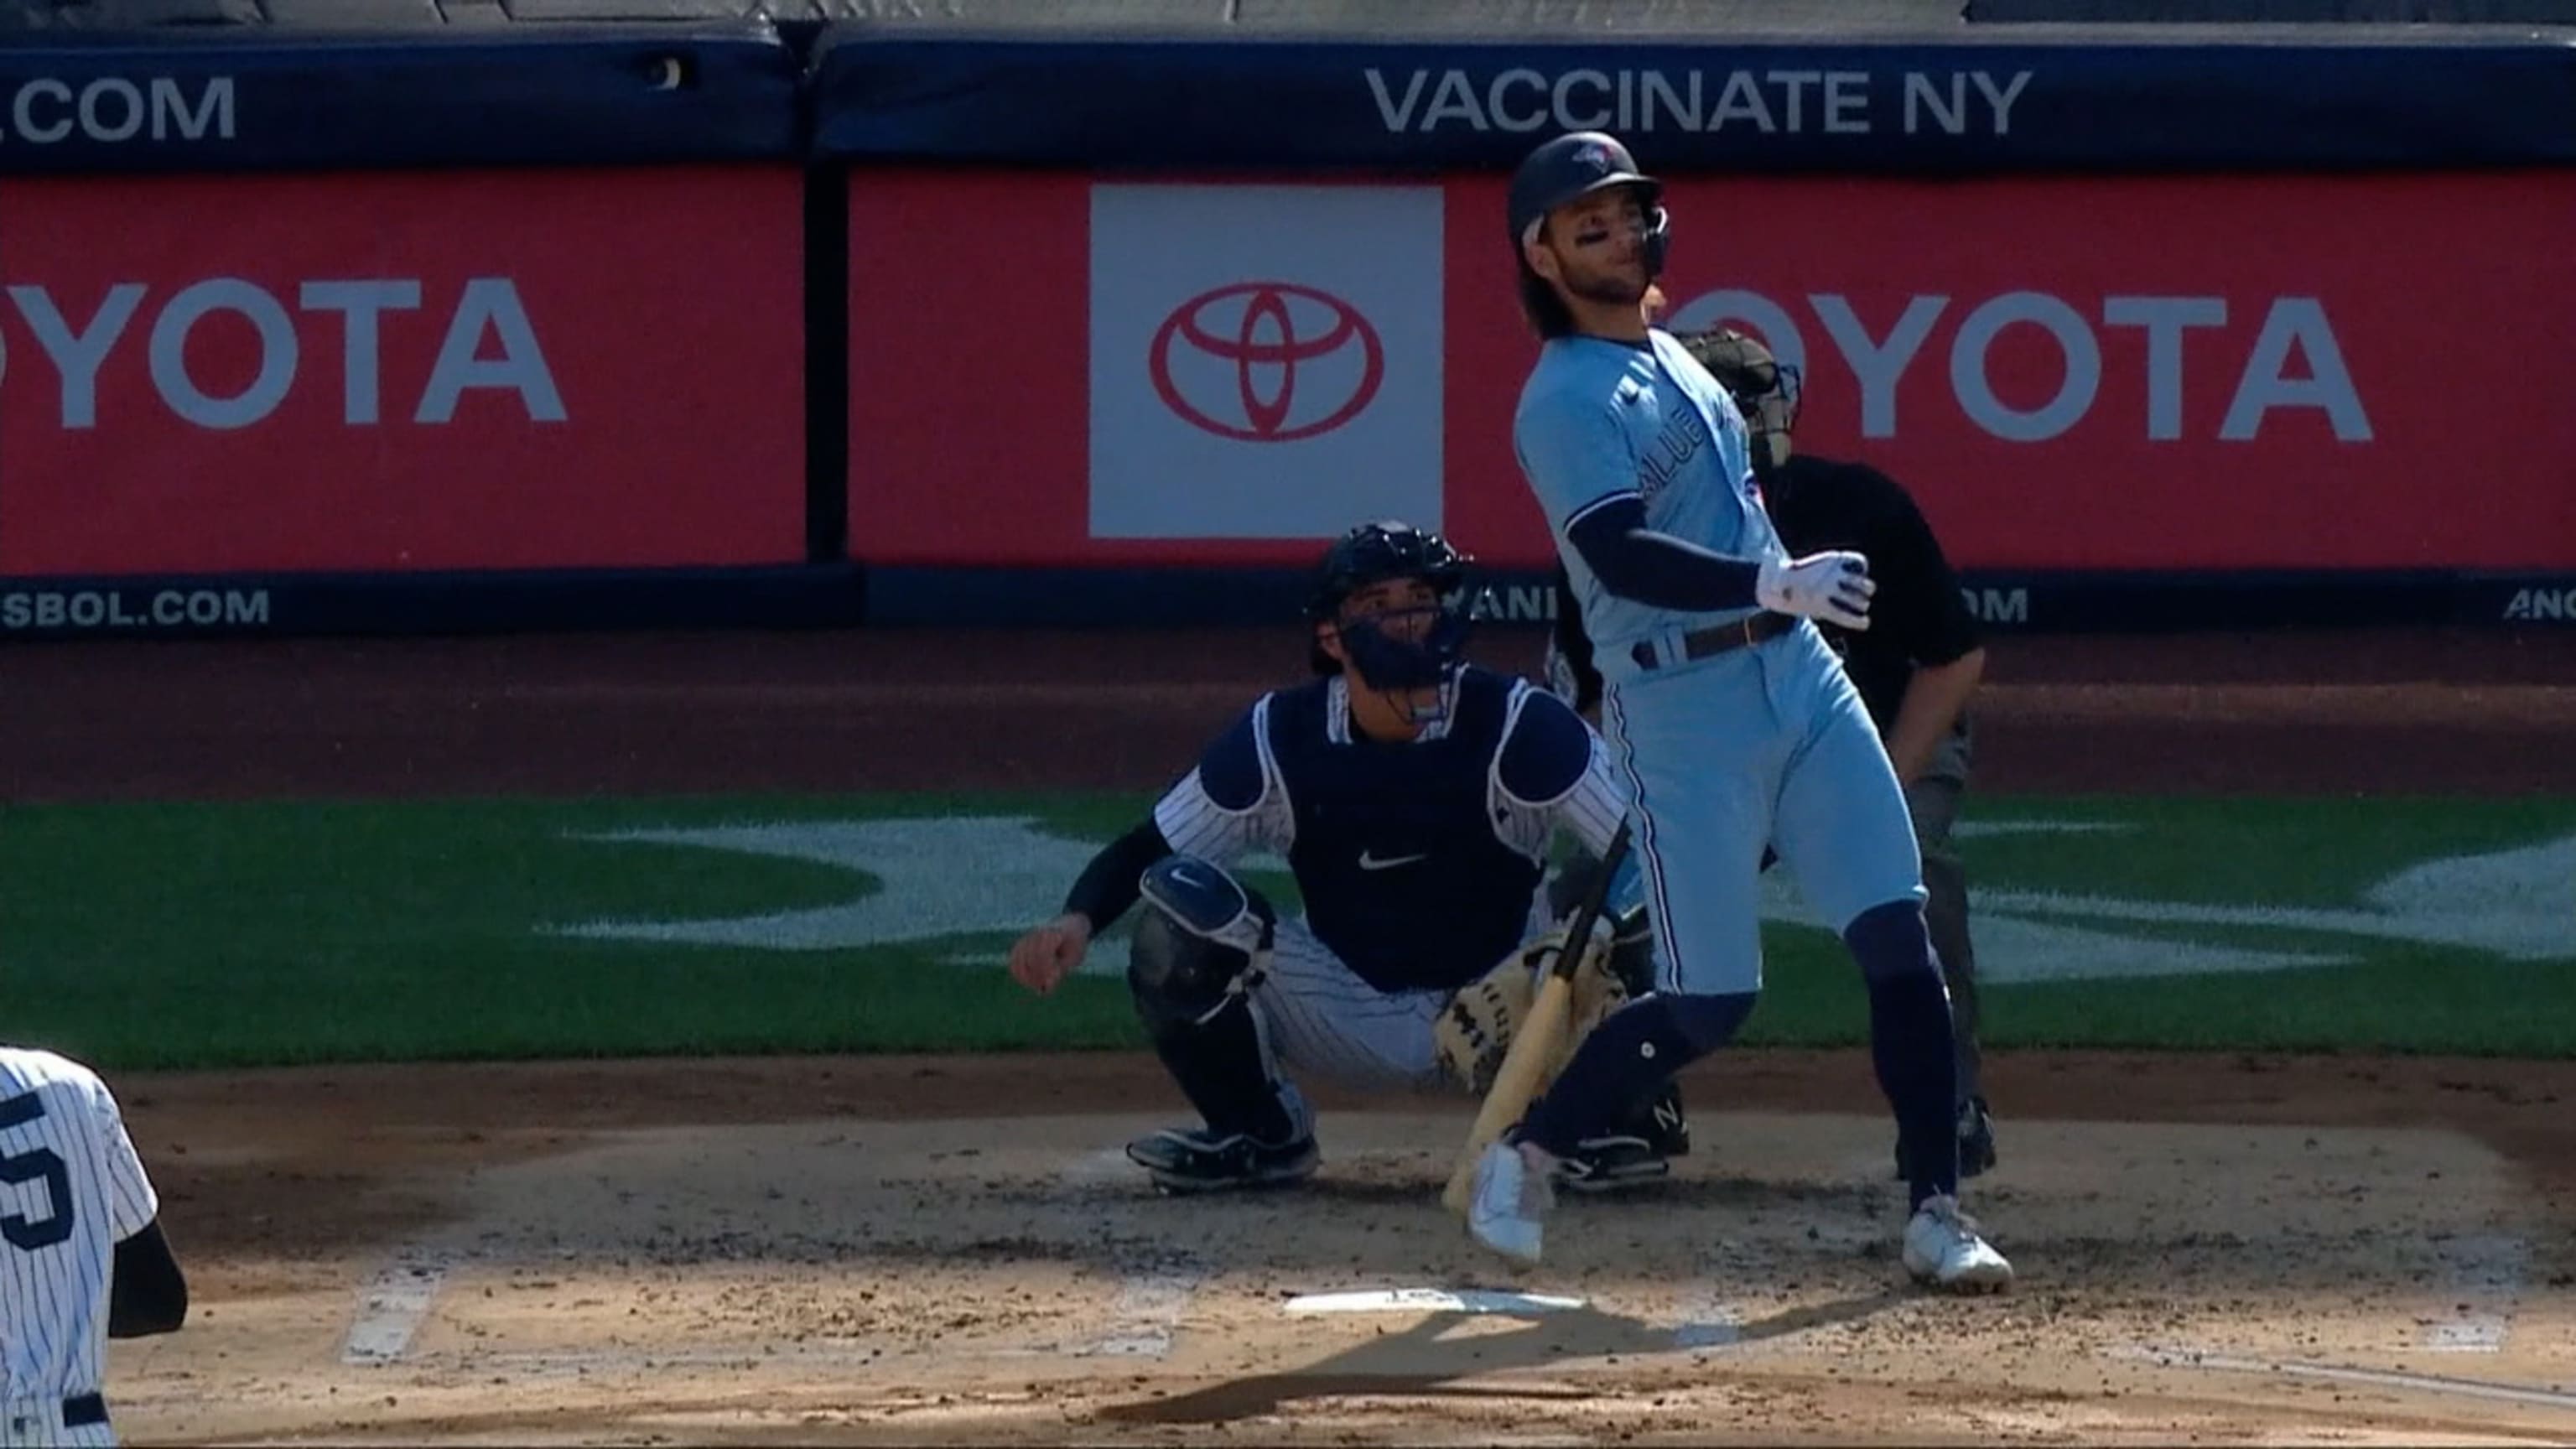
[(1198, 949)]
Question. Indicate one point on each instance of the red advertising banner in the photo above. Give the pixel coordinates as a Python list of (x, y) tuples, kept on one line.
[(485, 370), (2135, 373)]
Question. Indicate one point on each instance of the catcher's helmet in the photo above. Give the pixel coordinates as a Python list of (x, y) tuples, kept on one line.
[(1766, 390), (1577, 164), (1374, 553)]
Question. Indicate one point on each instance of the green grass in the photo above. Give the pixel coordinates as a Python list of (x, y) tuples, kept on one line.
[(244, 934), (2253, 851), (2409, 1001)]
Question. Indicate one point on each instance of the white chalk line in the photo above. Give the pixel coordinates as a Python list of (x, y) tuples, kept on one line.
[(1709, 1320), (1152, 1299), (1093, 1169), (2484, 1280), (392, 1306), (1143, 1318), (2378, 1378), (1710, 1330)]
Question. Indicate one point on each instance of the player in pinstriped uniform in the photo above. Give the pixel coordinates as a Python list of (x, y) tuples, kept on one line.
[(82, 1255), (1414, 797), (1734, 724)]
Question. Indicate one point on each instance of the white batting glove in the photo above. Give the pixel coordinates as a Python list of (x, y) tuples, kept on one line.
[(1834, 587)]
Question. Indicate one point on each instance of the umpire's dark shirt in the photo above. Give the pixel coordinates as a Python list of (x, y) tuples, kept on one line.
[(1917, 618)]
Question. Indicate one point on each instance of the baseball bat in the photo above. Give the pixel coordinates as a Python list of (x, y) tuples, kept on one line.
[(1516, 1081)]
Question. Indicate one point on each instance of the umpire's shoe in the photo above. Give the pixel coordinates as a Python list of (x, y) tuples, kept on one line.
[(1641, 1151), (1183, 1159), (1976, 1138), (1976, 1141)]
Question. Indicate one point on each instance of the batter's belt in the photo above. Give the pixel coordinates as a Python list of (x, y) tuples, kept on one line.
[(1714, 640)]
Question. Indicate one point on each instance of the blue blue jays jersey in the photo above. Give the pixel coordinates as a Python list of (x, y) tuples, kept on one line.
[(1419, 862), (1600, 421)]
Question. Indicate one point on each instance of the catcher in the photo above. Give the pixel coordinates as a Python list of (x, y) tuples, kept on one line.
[(1414, 797)]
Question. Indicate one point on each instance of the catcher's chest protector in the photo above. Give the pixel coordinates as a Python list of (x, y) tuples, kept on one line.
[(1403, 875)]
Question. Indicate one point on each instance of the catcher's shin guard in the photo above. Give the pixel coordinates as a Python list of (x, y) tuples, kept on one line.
[(1199, 946)]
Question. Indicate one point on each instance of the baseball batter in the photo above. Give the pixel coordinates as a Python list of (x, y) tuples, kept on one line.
[(1731, 722), (1916, 666), (82, 1256), (1414, 797)]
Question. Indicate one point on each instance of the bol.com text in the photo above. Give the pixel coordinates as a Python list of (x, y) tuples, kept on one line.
[(23, 609)]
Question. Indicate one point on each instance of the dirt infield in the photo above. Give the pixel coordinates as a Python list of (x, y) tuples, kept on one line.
[(2232, 1251), (2224, 1249)]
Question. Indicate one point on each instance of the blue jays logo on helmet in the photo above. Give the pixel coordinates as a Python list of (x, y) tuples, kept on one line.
[(1573, 166)]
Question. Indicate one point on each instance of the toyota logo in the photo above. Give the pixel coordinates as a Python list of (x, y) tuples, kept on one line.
[(1289, 348)]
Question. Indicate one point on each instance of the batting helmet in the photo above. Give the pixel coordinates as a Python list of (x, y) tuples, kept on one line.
[(1576, 165), (1374, 553)]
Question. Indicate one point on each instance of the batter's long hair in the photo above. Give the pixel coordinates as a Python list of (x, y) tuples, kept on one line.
[(1548, 315)]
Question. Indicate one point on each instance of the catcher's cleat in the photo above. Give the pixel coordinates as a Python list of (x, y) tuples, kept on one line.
[(1186, 1160)]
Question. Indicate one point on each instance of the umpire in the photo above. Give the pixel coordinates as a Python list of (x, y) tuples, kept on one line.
[(1916, 666)]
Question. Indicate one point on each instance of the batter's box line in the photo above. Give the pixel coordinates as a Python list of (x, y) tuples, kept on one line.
[(2483, 1275), (2341, 1373), (1152, 1300), (1709, 1320), (393, 1304)]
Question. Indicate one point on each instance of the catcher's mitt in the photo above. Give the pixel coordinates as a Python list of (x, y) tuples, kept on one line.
[(1475, 1030)]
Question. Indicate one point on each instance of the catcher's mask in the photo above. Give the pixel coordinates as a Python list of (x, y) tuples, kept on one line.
[(1765, 390), (1375, 553)]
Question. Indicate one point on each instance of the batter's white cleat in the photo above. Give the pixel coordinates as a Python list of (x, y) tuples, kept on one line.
[(1511, 1197), (1942, 1248)]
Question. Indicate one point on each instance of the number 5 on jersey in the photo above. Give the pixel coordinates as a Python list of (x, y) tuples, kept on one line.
[(36, 1164)]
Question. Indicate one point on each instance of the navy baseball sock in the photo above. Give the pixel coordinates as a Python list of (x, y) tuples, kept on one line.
[(1627, 1059), (1218, 1065), (1910, 1042)]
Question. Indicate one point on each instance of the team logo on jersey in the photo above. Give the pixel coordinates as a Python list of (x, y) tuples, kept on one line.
[(1682, 438), (1267, 362)]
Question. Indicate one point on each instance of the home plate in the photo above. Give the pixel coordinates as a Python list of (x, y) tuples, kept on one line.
[(1430, 1300)]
